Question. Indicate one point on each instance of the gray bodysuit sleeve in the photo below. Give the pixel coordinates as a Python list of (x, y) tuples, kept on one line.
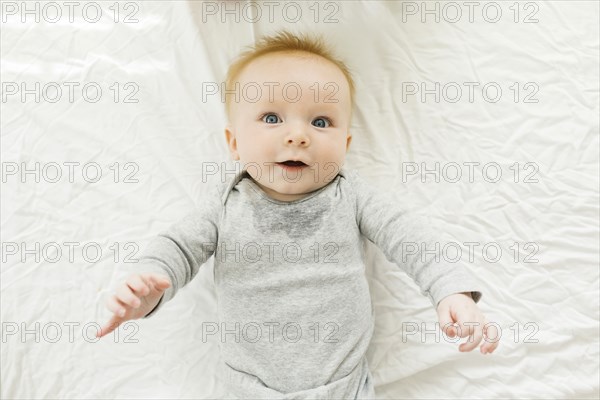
[(409, 240), (179, 251)]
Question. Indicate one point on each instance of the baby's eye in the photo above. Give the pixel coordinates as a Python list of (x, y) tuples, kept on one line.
[(321, 122), (271, 118)]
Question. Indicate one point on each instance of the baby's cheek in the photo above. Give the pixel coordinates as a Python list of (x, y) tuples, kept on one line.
[(332, 161)]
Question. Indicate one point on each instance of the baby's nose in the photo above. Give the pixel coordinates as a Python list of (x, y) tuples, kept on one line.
[(297, 135), (298, 140)]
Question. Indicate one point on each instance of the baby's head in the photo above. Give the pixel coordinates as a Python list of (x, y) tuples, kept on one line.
[(294, 103)]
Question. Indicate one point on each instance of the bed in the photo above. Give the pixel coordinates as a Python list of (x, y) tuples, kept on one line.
[(481, 116)]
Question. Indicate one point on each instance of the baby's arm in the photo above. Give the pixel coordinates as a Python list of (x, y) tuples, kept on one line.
[(179, 251), (402, 236), (169, 262)]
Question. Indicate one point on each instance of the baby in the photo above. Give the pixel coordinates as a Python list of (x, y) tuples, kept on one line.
[(287, 232)]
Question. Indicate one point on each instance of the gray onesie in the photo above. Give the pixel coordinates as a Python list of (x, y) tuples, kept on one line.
[(295, 313)]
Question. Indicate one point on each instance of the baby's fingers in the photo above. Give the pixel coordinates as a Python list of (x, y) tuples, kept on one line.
[(473, 340), (125, 294), (446, 324), (117, 307), (492, 338), (110, 326), (467, 326), (138, 286), (160, 282)]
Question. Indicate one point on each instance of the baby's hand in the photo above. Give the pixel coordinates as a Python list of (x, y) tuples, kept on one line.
[(134, 298), (460, 308)]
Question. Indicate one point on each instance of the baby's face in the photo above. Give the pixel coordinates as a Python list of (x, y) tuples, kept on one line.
[(290, 108)]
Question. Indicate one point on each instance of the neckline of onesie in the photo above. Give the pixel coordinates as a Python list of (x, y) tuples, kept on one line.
[(254, 186)]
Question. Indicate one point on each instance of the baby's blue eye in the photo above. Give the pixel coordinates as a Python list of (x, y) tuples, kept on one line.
[(321, 125), (271, 118)]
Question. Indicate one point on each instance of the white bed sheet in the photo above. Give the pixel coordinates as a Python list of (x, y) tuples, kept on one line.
[(171, 131)]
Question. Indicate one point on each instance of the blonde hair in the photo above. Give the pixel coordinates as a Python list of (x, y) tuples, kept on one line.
[(283, 42)]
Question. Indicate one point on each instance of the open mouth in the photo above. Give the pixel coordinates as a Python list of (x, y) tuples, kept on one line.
[(290, 163)]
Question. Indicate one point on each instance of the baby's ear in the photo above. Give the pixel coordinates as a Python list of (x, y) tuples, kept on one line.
[(231, 141)]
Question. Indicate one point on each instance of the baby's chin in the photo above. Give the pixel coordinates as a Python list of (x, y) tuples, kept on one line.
[(286, 190)]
